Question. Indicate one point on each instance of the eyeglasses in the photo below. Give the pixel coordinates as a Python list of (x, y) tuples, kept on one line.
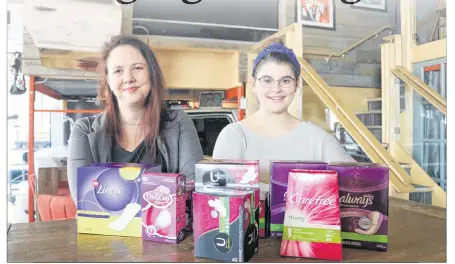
[(285, 82)]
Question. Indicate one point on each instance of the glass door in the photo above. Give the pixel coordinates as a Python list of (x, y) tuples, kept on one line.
[(430, 125)]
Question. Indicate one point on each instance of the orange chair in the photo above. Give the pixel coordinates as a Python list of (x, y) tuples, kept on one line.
[(54, 207)]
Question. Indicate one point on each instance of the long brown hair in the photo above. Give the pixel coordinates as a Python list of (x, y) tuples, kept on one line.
[(154, 102)]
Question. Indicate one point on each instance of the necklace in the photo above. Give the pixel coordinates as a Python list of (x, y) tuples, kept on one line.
[(132, 124)]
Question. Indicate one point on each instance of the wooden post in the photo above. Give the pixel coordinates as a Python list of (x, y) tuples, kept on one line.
[(293, 40), (408, 41), (252, 102), (390, 58)]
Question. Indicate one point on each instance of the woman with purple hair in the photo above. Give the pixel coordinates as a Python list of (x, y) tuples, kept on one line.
[(272, 133)]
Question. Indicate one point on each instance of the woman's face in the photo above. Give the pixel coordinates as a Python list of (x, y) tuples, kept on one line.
[(275, 86), (128, 75)]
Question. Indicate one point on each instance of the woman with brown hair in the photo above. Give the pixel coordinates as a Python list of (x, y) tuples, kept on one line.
[(134, 127)]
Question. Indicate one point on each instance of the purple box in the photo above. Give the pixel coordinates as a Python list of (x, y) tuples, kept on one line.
[(163, 207), (364, 201), (109, 198), (279, 173)]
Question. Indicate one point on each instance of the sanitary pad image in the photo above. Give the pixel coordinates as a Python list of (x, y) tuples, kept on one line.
[(108, 198), (364, 199)]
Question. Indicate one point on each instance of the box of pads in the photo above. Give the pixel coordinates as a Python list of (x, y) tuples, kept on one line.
[(279, 172), (312, 217), (364, 201), (109, 198), (163, 207), (223, 225), (231, 174), (228, 173)]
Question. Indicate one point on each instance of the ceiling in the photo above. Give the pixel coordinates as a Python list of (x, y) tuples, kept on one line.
[(71, 87)]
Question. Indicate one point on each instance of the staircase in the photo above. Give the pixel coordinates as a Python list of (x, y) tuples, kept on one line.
[(372, 118), (361, 133)]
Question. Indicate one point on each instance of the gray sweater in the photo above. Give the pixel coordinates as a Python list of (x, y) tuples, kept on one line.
[(307, 142), (178, 143)]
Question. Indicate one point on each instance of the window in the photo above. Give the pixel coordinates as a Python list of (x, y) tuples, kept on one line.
[(208, 129)]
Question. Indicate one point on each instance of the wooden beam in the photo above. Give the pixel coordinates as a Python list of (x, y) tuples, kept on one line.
[(72, 111), (294, 40), (280, 34), (44, 89), (430, 51), (421, 88), (408, 43)]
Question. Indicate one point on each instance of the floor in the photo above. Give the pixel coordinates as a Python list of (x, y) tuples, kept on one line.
[(17, 203)]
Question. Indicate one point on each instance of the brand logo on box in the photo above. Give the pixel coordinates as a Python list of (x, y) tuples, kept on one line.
[(364, 201), (223, 242), (216, 178), (106, 190), (160, 197), (95, 183), (296, 198)]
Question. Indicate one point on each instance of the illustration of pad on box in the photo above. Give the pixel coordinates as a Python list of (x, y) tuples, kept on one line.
[(108, 198)]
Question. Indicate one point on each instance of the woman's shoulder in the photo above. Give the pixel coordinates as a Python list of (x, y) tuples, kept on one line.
[(314, 129), (89, 123), (173, 118), (235, 128)]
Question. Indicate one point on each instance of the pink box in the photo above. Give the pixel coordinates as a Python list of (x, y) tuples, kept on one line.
[(312, 226), (223, 227), (163, 207), (231, 174)]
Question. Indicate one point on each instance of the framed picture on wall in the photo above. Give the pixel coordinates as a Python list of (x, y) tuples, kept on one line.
[(316, 13), (375, 5)]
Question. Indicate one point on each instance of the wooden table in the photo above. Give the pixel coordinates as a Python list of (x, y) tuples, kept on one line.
[(417, 234)]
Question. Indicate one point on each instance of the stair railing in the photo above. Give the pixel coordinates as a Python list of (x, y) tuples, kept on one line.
[(421, 88), (369, 143), (345, 51)]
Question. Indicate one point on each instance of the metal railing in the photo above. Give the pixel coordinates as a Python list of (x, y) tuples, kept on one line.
[(342, 53)]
